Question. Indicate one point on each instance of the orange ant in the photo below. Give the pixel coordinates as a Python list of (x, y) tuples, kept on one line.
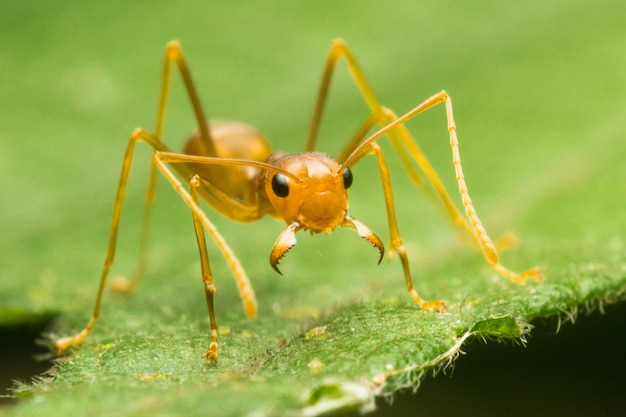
[(232, 167)]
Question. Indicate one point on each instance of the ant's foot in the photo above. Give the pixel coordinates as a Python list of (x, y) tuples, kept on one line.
[(428, 305), (211, 357), (435, 305), (533, 273)]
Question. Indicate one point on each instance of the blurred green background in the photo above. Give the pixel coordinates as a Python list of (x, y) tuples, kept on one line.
[(539, 98)]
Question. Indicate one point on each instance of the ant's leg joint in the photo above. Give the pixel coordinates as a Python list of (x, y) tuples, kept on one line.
[(338, 44), (210, 287), (173, 50)]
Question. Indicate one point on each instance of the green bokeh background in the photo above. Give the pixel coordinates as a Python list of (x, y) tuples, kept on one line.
[(539, 98)]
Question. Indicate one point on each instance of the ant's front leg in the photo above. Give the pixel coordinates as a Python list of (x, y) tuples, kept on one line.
[(207, 276), (201, 223), (397, 245)]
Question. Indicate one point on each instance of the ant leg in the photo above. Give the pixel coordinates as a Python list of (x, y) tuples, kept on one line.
[(475, 226), (488, 248), (174, 53), (207, 276), (138, 135), (246, 291), (397, 244), (121, 284), (337, 50)]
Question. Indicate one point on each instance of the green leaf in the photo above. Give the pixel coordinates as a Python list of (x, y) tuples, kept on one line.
[(540, 124)]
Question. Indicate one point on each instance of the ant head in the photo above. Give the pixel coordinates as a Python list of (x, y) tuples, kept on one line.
[(318, 200), (312, 194)]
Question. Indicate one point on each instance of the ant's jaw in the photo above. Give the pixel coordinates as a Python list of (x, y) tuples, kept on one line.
[(365, 233), (286, 240)]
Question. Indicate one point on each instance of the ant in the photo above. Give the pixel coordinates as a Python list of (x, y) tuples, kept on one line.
[(233, 168)]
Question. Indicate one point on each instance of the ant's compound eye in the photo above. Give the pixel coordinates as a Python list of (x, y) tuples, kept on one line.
[(347, 178), (280, 185)]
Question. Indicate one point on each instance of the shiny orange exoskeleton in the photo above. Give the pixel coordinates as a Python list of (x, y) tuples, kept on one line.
[(232, 167)]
